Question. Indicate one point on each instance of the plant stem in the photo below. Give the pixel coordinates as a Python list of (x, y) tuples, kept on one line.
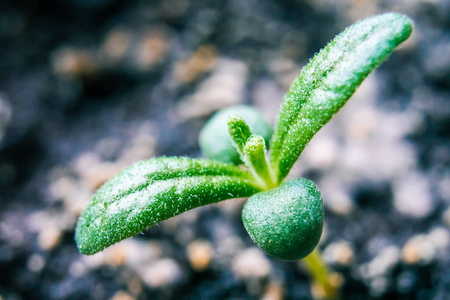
[(325, 285)]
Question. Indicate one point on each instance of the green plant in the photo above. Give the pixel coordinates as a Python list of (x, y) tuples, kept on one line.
[(284, 219)]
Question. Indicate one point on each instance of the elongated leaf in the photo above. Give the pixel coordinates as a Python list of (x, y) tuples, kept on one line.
[(329, 80), (152, 191)]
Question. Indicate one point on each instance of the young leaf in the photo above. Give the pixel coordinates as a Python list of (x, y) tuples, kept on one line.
[(152, 191), (215, 140), (255, 152), (329, 80), (240, 132)]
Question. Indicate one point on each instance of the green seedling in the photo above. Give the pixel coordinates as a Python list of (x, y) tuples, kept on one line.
[(283, 219)]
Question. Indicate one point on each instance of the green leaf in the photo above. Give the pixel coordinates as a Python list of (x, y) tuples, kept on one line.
[(152, 191), (286, 222), (252, 149), (240, 132), (215, 140), (329, 80), (255, 153)]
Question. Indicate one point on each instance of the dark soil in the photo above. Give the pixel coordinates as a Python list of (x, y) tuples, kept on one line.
[(89, 87)]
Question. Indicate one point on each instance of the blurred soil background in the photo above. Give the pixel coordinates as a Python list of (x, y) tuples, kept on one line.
[(89, 87)]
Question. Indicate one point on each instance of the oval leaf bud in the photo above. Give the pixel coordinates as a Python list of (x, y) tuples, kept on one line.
[(286, 222)]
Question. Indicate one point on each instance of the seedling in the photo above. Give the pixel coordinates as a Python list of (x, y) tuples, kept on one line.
[(283, 219)]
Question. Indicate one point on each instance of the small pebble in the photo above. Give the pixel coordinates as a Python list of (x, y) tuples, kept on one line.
[(84, 162), (354, 10), (227, 249), (381, 264), (77, 202), (134, 285), (361, 126), (63, 187), (161, 273), (412, 195), (440, 237), (116, 44), (274, 291), (141, 252), (68, 189), (201, 61), (96, 176), (78, 269), (74, 62), (35, 263), (108, 148), (285, 71), (114, 256), (142, 146), (251, 263), (417, 249), (117, 256), (49, 238), (423, 248), (225, 87), (200, 254), (122, 295), (321, 153), (339, 253), (93, 171), (133, 253), (152, 49), (335, 195)]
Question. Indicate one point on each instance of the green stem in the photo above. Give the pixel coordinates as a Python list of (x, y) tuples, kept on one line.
[(325, 284)]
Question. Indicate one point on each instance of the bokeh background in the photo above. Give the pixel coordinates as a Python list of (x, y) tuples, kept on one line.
[(89, 87)]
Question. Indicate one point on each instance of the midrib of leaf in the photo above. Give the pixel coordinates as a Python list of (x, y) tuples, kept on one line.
[(177, 184), (152, 182)]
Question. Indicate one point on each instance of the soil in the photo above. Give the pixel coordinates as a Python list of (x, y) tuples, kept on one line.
[(89, 87)]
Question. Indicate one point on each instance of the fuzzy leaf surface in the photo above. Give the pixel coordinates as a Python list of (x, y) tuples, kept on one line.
[(255, 152), (328, 81), (152, 191), (286, 222), (240, 132)]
